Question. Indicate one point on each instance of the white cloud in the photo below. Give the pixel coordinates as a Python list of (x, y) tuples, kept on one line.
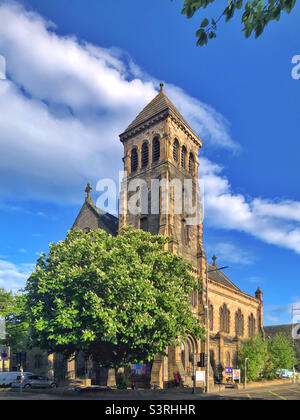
[(205, 120), (65, 103), (275, 222), (13, 277), (228, 252), (283, 313), (272, 318)]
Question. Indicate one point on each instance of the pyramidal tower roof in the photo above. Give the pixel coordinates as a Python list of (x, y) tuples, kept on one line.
[(159, 108)]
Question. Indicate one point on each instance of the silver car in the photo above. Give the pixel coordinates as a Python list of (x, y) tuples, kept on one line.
[(34, 381)]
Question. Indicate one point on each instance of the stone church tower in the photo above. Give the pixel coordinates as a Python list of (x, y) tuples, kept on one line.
[(160, 147)]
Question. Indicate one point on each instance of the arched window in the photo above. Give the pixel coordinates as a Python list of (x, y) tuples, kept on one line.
[(183, 157), (183, 231), (251, 326), (239, 323), (183, 354), (191, 164), (193, 297), (134, 160), (175, 150), (156, 150), (145, 155), (228, 359), (224, 319)]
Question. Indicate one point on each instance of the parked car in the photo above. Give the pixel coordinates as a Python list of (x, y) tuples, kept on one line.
[(7, 378), (34, 381), (287, 373)]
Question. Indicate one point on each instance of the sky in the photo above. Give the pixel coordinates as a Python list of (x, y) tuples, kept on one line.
[(73, 75)]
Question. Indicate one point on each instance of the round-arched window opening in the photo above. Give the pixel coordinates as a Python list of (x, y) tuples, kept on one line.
[(175, 150), (183, 157), (145, 155), (134, 160), (156, 150)]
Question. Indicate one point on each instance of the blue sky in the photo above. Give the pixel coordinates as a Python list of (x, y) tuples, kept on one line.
[(77, 73)]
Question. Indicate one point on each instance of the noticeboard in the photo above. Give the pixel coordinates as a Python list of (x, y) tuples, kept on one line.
[(236, 375)]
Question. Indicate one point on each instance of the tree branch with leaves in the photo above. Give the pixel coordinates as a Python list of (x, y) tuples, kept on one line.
[(256, 15)]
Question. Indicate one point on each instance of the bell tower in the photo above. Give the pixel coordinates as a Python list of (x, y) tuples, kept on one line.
[(161, 166)]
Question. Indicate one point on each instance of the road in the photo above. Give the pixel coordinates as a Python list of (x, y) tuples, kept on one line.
[(279, 392)]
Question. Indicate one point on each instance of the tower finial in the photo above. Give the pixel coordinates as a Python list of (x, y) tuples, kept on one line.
[(88, 191), (214, 258), (161, 86)]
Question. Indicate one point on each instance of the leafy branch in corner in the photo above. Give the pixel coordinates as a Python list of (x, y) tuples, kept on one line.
[(256, 15)]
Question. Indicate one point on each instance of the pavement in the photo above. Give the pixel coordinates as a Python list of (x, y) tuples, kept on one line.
[(282, 392)]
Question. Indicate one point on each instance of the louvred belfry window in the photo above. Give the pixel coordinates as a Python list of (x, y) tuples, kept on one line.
[(156, 150), (145, 155), (175, 150), (183, 157), (134, 160)]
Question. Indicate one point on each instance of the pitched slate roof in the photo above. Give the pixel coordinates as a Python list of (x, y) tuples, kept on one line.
[(93, 218), (220, 277), (275, 329), (160, 104)]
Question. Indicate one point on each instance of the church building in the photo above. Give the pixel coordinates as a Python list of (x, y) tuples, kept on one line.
[(160, 145)]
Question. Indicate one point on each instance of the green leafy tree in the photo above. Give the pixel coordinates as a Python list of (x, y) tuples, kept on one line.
[(16, 324), (256, 350), (119, 299), (281, 352), (255, 17)]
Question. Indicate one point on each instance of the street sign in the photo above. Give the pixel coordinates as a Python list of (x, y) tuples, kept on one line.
[(228, 370), (3, 353), (200, 376)]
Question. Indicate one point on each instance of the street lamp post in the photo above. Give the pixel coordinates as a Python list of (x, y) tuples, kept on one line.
[(207, 324), (246, 363)]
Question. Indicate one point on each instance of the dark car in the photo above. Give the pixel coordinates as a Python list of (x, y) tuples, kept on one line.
[(34, 381)]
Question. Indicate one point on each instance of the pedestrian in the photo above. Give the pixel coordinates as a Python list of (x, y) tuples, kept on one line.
[(177, 380)]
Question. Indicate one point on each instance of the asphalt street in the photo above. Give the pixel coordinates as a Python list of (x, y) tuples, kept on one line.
[(280, 392)]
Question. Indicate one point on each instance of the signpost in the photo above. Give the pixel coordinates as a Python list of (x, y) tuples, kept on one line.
[(246, 365)]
